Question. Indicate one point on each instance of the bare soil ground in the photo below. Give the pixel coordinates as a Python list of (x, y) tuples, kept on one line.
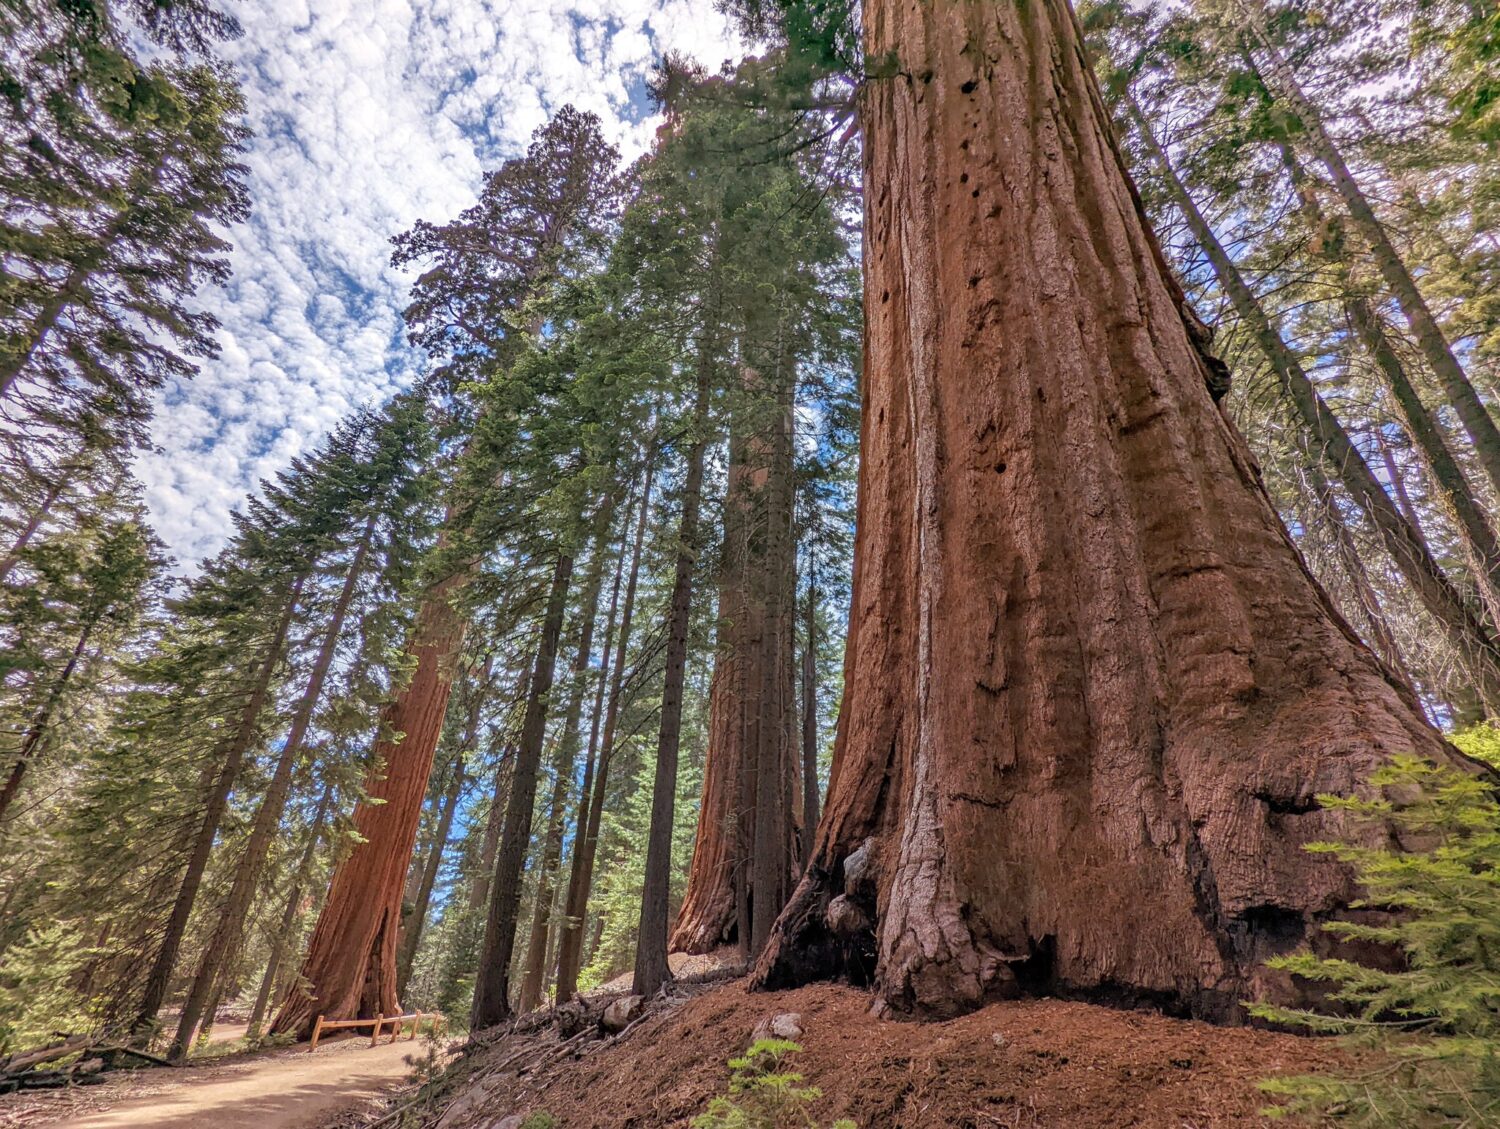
[(1028, 1064), (286, 1088)]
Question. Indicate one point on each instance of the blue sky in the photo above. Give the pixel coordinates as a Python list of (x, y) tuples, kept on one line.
[(369, 114)]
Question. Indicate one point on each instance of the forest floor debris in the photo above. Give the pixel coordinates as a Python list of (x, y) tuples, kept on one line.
[(1025, 1064)]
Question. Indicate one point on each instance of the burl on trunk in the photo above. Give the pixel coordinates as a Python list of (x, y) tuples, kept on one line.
[(1092, 688)]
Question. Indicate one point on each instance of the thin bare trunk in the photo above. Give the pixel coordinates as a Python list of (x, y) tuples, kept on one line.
[(651, 967), (533, 982), (411, 939), (591, 804), (281, 940), (28, 531), (1473, 526), (222, 951), (1462, 625), (492, 987), (230, 757), (1475, 417), (31, 742)]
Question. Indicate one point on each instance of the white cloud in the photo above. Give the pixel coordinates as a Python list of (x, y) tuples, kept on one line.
[(368, 115)]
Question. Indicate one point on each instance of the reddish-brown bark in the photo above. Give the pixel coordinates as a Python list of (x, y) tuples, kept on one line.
[(1092, 689), (751, 755), (350, 970)]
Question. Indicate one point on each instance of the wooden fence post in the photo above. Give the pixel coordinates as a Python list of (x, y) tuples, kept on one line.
[(317, 1030)]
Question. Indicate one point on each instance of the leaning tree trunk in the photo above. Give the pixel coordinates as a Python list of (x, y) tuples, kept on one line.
[(1477, 422), (1465, 628), (350, 970), (411, 940), (1475, 532), (743, 863), (222, 951), (34, 522), (1092, 690), (1324, 510), (31, 742), (230, 756), (280, 941)]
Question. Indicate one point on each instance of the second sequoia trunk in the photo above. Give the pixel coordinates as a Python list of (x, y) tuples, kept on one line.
[(350, 969), (744, 857), (1092, 690)]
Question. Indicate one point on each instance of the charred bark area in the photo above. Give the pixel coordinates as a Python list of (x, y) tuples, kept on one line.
[(745, 858), (350, 970), (1092, 690)]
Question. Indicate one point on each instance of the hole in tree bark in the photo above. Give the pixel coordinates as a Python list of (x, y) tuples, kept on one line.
[(1036, 974), (1288, 805)]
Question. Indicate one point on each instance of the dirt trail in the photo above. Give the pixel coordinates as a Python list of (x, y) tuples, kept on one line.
[(282, 1089)]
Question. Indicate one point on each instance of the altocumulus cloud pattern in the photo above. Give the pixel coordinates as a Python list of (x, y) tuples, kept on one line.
[(369, 114)]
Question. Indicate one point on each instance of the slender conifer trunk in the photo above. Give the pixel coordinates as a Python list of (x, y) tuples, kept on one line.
[(28, 531), (652, 969), (230, 757), (31, 741), (1462, 624), (222, 951), (533, 982), (416, 924), (591, 803), (1472, 413), (492, 986), (281, 941)]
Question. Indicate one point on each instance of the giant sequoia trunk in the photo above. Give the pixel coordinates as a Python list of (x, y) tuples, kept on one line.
[(1092, 689), (734, 880), (350, 970)]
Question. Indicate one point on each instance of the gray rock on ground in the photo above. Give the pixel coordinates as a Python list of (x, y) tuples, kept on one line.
[(787, 1025)]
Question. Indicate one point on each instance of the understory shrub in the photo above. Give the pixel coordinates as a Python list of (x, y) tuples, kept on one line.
[(764, 1094), (1435, 1023), (38, 1000)]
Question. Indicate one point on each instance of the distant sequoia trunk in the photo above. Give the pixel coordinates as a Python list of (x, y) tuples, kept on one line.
[(1092, 689), (744, 857)]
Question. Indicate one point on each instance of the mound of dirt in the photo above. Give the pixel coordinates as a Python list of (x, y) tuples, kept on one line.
[(1026, 1064)]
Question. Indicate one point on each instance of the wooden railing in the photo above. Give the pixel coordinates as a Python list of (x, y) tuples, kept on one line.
[(376, 1025)]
